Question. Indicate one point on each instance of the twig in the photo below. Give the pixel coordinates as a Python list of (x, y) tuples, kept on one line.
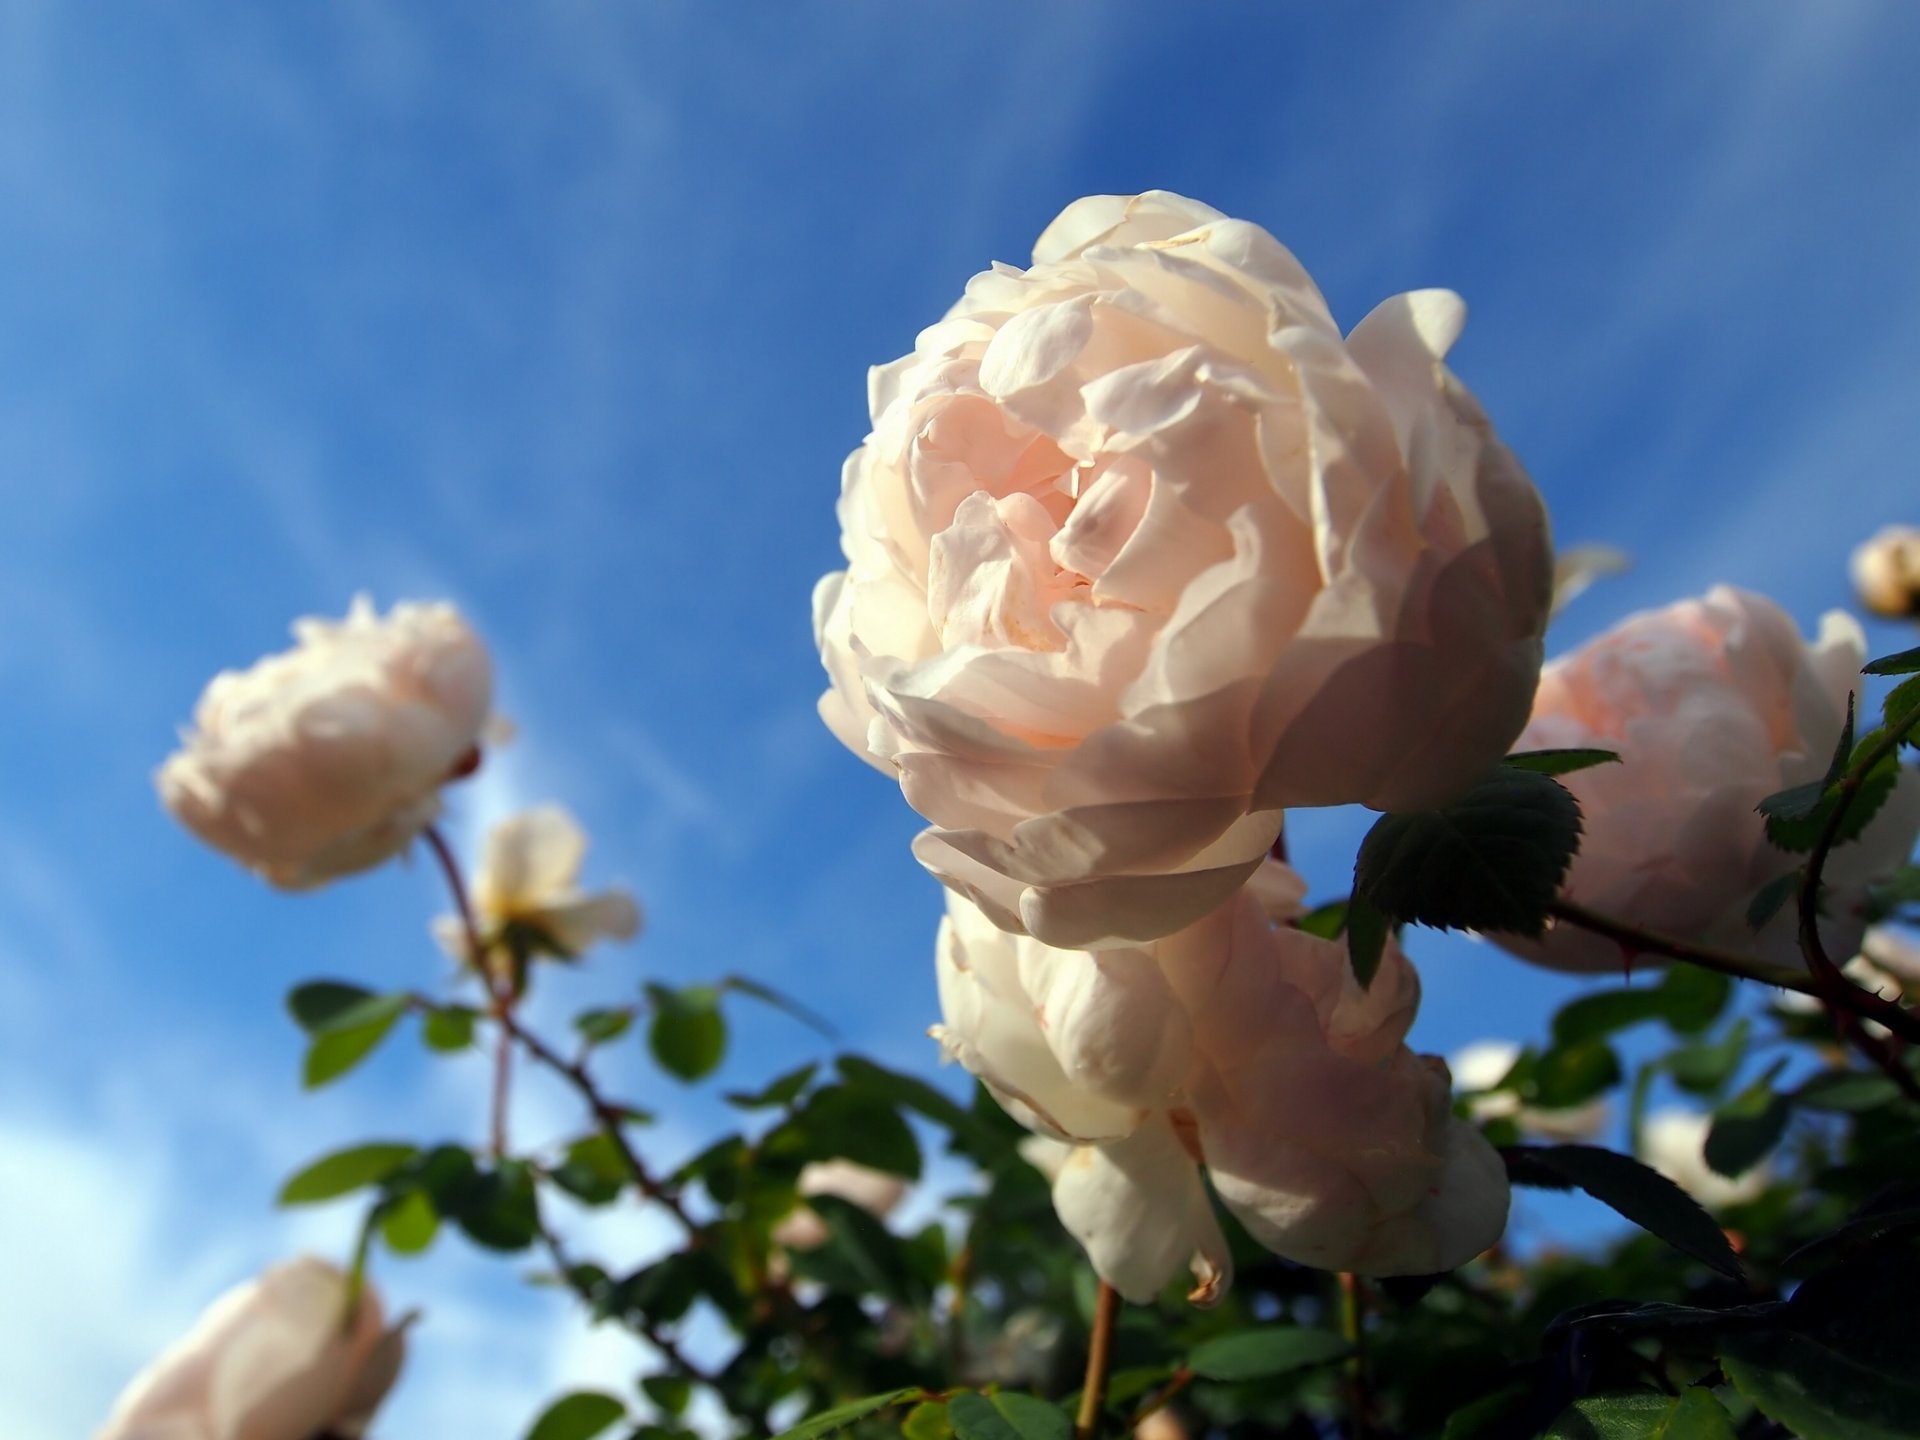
[(1161, 1398), (668, 1347), (1093, 1395), (1851, 997), (499, 993), (1353, 1326), (1844, 999)]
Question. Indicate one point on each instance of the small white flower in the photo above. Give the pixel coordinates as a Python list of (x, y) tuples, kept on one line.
[(1674, 1142), (527, 893), (1481, 1066), (874, 1191)]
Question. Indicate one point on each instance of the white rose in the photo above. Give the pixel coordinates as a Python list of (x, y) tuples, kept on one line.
[(1886, 572), (328, 758), (1141, 551), (282, 1357), (874, 1191), (1674, 1142), (1712, 705), (1478, 1070), (1240, 1047), (528, 885)]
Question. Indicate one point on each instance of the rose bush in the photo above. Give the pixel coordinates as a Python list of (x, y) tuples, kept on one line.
[(1712, 705), (527, 893), (328, 758), (1240, 1045), (1141, 551), (292, 1355)]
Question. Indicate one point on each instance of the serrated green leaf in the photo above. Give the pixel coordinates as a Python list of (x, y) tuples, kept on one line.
[(1640, 1194), (1746, 1129), (1268, 1351), (688, 1035), (1367, 930), (409, 1223), (841, 1416), (1900, 705), (927, 1421), (315, 1004), (1492, 860), (597, 1027), (1705, 1066), (345, 1171), (578, 1416), (448, 1028), (1818, 1392), (1643, 1415), (1798, 833), (1006, 1416), (1906, 662), (1560, 762), (348, 1037), (1572, 1074)]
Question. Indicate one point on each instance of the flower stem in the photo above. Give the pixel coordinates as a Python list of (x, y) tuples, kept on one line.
[(1093, 1395), (500, 995), (1353, 1327)]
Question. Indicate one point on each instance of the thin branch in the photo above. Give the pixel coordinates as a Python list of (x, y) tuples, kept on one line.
[(1161, 1398), (668, 1347), (1093, 1395), (1353, 1325), (499, 993)]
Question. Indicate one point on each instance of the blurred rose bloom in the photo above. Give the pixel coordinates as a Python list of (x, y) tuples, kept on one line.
[(328, 758), (1712, 705), (1141, 551), (527, 892), (1886, 572), (1480, 1067), (282, 1357), (874, 1191), (1674, 1143), (1236, 1045)]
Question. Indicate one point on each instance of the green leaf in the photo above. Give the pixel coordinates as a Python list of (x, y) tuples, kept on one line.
[(1746, 1129), (1325, 921), (1798, 831), (1270, 1350), (670, 1392), (1691, 1415), (927, 1421), (410, 1223), (1820, 1392), (1907, 662), (349, 1036), (1006, 1416), (345, 1171), (841, 1122), (447, 1028), (841, 1416), (1570, 1075), (1492, 860), (1367, 930), (785, 1004), (1770, 897), (1705, 1066), (597, 1027), (315, 1004), (578, 1416), (1846, 1092), (909, 1092), (1560, 762), (498, 1208), (688, 1035), (594, 1171), (858, 1249), (783, 1091), (1642, 1195), (1899, 706), (1593, 1017)]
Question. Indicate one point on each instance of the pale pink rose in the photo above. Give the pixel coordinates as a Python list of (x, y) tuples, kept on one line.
[(1674, 1142), (1140, 551), (1886, 572), (1244, 1050), (874, 1191), (1712, 705), (328, 758), (283, 1357), (529, 883)]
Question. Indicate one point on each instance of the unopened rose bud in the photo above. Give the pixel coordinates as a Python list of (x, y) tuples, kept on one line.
[(328, 758), (289, 1356), (1886, 572)]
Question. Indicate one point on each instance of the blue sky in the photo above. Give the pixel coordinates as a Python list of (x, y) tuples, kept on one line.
[(563, 312)]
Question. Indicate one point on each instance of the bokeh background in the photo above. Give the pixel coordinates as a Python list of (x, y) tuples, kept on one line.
[(563, 312)]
